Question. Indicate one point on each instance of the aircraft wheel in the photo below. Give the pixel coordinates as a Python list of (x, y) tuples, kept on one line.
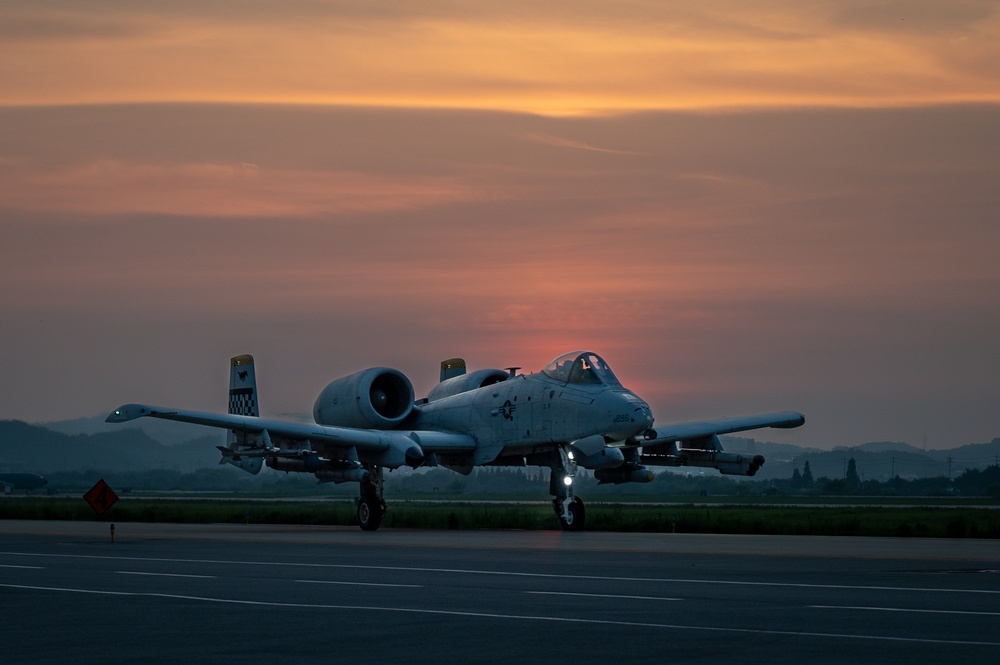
[(577, 516), (369, 514)]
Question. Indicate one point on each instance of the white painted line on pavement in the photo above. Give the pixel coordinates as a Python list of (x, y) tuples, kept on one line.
[(503, 573), (521, 617), (407, 586), (903, 609), (137, 572), (598, 595)]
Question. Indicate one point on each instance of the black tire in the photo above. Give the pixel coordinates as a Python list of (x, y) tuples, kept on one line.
[(577, 516), (369, 514)]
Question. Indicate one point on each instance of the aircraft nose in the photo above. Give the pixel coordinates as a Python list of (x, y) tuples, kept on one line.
[(647, 416), (643, 417), (631, 416)]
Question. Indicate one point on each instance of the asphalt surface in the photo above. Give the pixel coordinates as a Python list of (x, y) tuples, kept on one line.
[(254, 594)]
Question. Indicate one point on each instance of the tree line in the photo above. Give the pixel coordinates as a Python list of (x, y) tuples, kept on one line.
[(971, 482), (532, 482)]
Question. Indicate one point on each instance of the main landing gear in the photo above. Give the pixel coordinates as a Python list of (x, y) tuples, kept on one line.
[(569, 508), (371, 505)]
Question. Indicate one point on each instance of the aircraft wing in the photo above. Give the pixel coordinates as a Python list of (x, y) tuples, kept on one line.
[(694, 444), (708, 428), (392, 448)]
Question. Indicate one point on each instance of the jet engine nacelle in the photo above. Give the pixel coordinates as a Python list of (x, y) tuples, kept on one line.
[(376, 398), (467, 382)]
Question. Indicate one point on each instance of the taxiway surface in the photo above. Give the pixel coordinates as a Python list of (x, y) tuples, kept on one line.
[(253, 594)]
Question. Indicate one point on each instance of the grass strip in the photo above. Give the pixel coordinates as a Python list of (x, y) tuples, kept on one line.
[(910, 521)]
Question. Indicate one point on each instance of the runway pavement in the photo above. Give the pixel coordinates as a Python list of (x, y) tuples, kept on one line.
[(252, 594)]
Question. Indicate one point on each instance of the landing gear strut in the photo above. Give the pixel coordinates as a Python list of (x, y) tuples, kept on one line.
[(371, 505), (572, 514), (568, 508)]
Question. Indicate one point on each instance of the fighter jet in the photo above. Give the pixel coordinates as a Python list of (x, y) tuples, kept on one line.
[(573, 413), (20, 481)]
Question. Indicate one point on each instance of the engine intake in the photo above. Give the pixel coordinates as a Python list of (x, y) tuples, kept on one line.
[(376, 398)]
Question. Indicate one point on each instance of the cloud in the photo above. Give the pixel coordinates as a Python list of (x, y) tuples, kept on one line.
[(111, 187), (559, 60), (32, 24), (904, 16), (836, 261), (570, 143)]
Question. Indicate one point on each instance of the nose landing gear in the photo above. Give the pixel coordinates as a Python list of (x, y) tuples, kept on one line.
[(569, 508), (571, 512)]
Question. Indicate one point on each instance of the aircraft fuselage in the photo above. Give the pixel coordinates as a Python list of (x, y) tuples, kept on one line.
[(533, 410)]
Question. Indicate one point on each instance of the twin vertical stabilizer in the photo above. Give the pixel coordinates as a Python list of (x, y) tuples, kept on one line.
[(452, 367), (242, 387), (242, 402)]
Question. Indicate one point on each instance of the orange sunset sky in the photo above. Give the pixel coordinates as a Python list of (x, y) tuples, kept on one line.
[(743, 207)]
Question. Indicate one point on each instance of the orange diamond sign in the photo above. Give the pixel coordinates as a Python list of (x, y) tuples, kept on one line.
[(100, 497)]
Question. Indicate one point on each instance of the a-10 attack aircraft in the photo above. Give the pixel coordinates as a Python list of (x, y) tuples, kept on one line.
[(574, 413)]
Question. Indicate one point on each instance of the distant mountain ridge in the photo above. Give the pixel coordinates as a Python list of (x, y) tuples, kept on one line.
[(875, 461), (149, 444), (164, 431), (35, 449)]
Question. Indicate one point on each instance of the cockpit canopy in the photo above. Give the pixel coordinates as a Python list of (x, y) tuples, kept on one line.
[(581, 367)]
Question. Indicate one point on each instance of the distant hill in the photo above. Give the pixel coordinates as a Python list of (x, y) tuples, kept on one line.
[(875, 461), (883, 446), (142, 445), (34, 449), (163, 431)]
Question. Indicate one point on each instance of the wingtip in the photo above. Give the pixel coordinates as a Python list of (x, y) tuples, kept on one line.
[(792, 419), (127, 412)]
